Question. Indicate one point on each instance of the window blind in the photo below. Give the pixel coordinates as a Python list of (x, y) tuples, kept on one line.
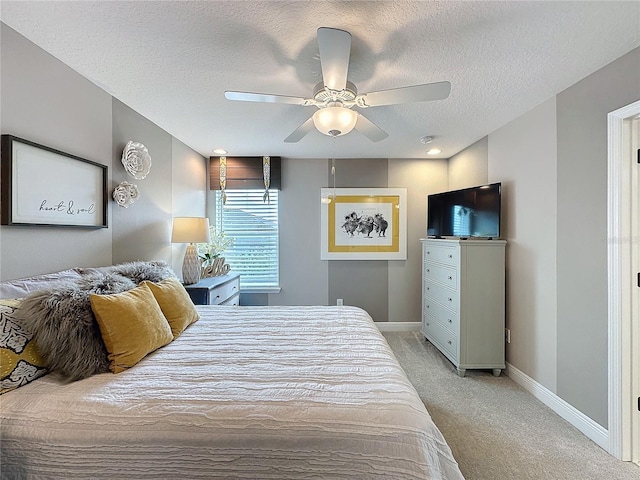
[(254, 226)]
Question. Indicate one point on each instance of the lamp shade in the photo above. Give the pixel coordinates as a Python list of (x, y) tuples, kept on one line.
[(335, 121), (190, 230)]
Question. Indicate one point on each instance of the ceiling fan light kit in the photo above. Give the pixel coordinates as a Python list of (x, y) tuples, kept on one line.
[(335, 96), (335, 121)]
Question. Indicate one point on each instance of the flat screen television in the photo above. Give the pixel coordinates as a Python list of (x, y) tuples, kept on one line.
[(468, 213)]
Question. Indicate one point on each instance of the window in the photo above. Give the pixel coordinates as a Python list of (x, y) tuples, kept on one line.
[(254, 225), (462, 221)]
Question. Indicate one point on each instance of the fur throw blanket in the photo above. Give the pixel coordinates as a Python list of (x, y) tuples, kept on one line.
[(62, 321)]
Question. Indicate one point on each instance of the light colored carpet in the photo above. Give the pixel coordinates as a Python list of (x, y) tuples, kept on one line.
[(496, 429)]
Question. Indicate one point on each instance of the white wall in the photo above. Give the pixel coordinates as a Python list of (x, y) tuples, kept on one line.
[(523, 156)]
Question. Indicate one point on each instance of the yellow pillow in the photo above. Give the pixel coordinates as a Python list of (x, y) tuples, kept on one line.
[(132, 325), (175, 303), (20, 361)]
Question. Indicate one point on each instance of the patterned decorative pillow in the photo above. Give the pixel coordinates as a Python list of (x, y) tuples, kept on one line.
[(20, 362)]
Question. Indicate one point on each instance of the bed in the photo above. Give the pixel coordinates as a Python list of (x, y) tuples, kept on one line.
[(244, 392)]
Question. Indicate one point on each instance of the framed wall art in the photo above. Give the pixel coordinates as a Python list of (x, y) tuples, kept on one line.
[(364, 224), (46, 187)]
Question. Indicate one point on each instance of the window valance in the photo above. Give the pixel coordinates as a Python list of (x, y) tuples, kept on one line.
[(244, 173)]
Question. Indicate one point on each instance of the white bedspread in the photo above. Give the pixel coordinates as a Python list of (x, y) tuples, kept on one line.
[(246, 392)]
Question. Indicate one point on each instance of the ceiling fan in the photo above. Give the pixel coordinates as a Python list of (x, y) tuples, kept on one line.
[(335, 96)]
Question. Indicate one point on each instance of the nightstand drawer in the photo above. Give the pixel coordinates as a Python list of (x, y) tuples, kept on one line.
[(224, 292), (218, 290), (234, 300)]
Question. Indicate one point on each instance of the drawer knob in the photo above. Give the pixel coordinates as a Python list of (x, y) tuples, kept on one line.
[(428, 270), (450, 321), (428, 252), (427, 288), (450, 256), (450, 299), (450, 277), (449, 342), (427, 306), (428, 324)]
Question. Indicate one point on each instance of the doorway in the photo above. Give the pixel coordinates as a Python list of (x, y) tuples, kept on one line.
[(624, 284)]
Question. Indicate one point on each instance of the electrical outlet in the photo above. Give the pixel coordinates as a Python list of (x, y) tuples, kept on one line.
[(507, 335), (340, 302)]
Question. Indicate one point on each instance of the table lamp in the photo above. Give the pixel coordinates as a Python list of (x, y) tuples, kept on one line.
[(190, 230)]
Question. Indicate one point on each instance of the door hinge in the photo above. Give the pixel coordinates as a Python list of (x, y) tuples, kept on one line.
[(639, 155), (639, 279), (639, 404)]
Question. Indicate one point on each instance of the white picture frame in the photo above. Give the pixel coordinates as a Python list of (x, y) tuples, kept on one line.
[(363, 224)]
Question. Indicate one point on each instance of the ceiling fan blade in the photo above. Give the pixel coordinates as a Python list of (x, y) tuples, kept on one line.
[(416, 93), (263, 97), (335, 49), (300, 132), (370, 129)]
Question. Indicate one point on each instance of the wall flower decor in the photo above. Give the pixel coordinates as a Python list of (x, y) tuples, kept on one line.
[(126, 194), (136, 160)]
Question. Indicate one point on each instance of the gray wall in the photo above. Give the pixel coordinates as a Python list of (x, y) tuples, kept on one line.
[(303, 276), (553, 164), (388, 290), (69, 114), (582, 230), (420, 178), (142, 231), (44, 101), (522, 155), (469, 167)]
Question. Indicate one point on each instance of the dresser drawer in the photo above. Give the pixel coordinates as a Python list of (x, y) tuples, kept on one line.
[(444, 339), (222, 293), (441, 294), (439, 273), (442, 315), (441, 254)]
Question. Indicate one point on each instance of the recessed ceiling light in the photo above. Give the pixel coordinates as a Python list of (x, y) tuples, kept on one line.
[(434, 151), (426, 139), (220, 151)]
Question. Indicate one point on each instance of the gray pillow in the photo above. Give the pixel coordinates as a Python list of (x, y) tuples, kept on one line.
[(65, 329), (155, 271)]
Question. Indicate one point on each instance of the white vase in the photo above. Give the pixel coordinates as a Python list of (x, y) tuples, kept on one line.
[(191, 266)]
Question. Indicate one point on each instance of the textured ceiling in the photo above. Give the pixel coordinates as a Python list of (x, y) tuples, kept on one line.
[(172, 61)]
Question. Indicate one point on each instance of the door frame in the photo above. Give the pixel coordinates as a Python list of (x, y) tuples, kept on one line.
[(622, 423)]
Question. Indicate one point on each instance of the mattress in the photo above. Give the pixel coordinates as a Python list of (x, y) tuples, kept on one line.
[(245, 392)]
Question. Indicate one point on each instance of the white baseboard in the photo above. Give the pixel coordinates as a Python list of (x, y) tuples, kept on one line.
[(398, 326), (575, 417)]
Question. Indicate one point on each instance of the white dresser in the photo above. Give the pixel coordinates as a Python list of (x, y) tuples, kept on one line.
[(463, 301)]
